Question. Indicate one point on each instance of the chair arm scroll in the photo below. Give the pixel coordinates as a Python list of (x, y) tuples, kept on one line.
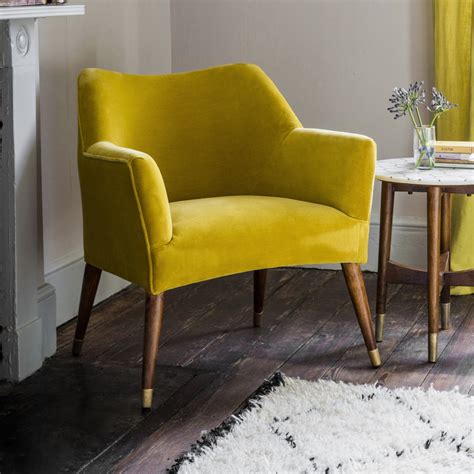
[(331, 168), (126, 210)]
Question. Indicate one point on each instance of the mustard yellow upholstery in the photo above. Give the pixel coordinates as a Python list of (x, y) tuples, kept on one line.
[(191, 176)]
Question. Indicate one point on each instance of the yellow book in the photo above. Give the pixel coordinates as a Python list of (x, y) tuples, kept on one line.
[(454, 147)]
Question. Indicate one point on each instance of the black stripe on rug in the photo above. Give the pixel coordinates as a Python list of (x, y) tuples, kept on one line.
[(210, 438)]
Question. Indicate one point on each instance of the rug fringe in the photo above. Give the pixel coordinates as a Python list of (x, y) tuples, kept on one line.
[(210, 438)]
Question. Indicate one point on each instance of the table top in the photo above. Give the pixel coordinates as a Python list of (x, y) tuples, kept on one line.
[(402, 170)]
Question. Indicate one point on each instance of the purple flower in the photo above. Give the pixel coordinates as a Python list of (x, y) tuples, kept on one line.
[(406, 100), (439, 103)]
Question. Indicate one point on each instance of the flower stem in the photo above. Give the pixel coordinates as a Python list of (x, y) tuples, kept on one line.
[(412, 117), (419, 116), (420, 158), (421, 125), (415, 125), (433, 120)]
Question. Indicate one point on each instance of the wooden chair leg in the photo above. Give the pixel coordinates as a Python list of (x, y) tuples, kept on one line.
[(434, 247), (153, 320), (259, 282), (89, 290), (356, 286), (385, 242), (445, 247)]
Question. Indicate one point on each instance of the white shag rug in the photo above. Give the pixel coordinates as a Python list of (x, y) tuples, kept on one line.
[(295, 426)]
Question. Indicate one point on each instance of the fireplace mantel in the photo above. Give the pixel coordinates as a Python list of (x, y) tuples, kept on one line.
[(17, 13), (27, 303)]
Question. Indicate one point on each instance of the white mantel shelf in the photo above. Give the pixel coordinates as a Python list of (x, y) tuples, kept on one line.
[(18, 13)]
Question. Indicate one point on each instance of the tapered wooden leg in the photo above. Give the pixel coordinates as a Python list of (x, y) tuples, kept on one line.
[(434, 247), (385, 242), (445, 247), (89, 290), (356, 286), (153, 321), (259, 282)]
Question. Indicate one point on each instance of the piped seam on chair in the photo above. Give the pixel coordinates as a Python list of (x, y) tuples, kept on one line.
[(79, 127), (128, 163), (287, 134), (160, 246), (361, 229), (112, 159), (143, 223)]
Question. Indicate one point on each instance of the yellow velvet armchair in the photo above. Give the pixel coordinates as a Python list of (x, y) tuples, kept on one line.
[(192, 176)]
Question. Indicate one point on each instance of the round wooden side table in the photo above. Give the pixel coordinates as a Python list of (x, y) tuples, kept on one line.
[(400, 175)]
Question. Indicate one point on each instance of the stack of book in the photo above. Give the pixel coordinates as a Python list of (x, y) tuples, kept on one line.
[(454, 154)]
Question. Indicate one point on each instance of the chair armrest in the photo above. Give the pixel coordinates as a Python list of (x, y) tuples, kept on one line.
[(331, 168), (125, 208)]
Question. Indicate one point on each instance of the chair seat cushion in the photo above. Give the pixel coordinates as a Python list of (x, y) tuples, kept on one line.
[(213, 237)]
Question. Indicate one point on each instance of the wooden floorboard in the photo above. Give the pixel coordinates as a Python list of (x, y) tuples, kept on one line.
[(456, 364), (60, 418), (235, 335), (138, 435), (335, 332), (407, 365), (82, 414), (230, 319)]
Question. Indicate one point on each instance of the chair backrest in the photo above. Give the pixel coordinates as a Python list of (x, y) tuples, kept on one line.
[(212, 132)]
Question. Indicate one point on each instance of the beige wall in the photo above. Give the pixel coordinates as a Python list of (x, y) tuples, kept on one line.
[(125, 35), (336, 61)]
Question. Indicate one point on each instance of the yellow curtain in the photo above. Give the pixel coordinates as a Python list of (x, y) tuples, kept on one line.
[(454, 67)]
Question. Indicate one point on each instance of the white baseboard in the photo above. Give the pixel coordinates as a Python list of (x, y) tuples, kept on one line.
[(30, 350), (58, 301), (408, 244), (47, 315), (67, 281)]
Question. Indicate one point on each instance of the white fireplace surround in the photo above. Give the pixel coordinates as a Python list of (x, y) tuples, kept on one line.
[(27, 302)]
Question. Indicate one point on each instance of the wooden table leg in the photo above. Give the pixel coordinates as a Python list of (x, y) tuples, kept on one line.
[(434, 247), (445, 247), (385, 242)]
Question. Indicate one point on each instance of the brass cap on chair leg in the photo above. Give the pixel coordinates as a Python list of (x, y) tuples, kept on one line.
[(77, 347), (375, 358), (379, 326), (147, 398), (432, 347), (445, 314), (257, 319)]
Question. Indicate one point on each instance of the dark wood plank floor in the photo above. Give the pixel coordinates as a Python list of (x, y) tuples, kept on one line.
[(83, 414)]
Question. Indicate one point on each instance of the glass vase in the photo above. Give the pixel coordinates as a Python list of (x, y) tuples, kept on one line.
[(424, 147)]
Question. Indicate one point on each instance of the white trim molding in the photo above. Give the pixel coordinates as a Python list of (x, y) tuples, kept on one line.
[(408, 244), (19, 13), (27, 304), (67, 280)]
